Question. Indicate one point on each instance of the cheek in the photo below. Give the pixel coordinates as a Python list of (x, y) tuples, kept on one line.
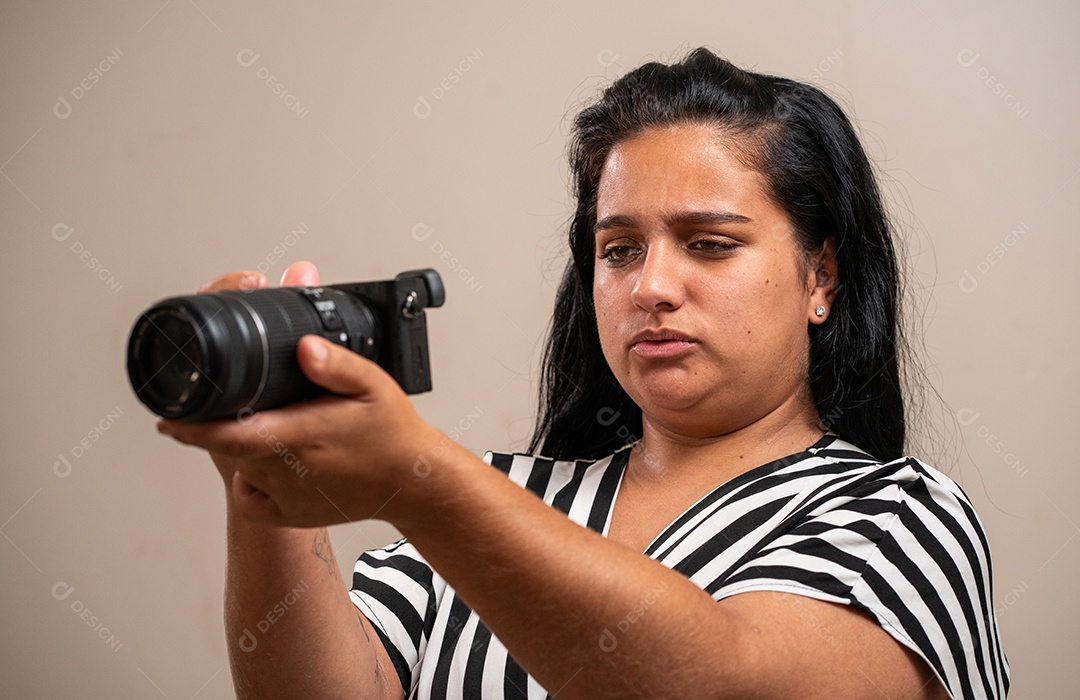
[(766, 305), (609, 321), (606, 321)]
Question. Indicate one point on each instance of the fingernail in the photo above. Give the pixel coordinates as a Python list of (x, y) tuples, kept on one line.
[(249, 281), (318, 351)]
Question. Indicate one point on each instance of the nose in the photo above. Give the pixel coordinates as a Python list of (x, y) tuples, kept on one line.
[(660, 284)]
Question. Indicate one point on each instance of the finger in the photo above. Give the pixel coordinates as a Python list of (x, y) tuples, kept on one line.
[(339, 369), (300, 274), (242, 279), (249, 479), (225, 464), (227, 437), (253, 503)]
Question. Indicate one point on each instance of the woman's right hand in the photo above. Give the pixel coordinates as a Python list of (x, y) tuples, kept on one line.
[(299, 274), (265, 565)]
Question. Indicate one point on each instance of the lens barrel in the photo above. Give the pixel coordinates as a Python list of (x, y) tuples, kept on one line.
[(209, 356)]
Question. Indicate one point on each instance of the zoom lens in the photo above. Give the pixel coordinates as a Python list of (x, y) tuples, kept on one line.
[(176, 353), (209, 356)]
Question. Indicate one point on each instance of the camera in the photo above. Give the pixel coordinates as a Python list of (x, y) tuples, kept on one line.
[(210, 356)]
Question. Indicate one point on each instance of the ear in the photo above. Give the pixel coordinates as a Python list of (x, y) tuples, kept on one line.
[(823, 281)]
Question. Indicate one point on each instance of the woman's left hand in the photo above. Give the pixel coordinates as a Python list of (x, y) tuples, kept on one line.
[(330, 460)]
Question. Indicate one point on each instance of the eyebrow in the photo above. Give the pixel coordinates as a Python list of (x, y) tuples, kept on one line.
[(681, 217)]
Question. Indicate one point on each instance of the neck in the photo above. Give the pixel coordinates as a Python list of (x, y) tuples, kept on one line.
[(663, 449)]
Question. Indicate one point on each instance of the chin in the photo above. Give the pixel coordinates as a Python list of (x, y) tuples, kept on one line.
[(664, 397)]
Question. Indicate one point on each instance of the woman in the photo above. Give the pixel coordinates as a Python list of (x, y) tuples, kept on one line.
[(723, 368)]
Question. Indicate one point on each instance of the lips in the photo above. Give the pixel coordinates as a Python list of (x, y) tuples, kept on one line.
[(661, 343)]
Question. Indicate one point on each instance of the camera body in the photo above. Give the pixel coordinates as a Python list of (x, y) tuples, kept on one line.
[(211, 356)]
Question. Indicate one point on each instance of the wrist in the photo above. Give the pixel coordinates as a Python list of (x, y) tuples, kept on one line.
[(431, 483)]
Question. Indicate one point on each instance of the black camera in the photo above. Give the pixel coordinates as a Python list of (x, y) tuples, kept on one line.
[(210, 356)]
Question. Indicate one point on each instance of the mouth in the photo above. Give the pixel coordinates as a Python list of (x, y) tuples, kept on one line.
[(661, 343)]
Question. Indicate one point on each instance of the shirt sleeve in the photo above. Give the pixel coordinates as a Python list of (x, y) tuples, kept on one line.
[(908, 549), (399, 592)]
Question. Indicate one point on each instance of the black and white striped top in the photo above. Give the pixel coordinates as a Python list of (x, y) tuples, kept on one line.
[(898, 540)]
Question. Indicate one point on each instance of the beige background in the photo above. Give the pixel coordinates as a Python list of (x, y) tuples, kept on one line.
[(173, 160)]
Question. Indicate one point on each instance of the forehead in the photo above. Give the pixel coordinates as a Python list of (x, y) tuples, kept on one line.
[(683, 167)]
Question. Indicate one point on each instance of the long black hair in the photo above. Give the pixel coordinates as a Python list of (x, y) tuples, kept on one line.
[(817, 172)]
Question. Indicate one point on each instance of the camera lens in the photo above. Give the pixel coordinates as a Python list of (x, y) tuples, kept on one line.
[(175, 350), (209, 356)]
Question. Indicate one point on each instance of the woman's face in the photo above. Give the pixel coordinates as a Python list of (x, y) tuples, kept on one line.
[(702, 295)]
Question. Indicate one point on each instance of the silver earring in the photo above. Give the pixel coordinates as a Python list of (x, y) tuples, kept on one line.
[(819, 311)]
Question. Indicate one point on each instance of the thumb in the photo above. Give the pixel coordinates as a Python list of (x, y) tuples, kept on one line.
[(338, 369), (300, 274)]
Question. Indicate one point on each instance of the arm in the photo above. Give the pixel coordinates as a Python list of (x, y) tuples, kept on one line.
[(290, 627), (548, 588), (555, 593)]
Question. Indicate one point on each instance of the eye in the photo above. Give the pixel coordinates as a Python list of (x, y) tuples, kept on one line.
[(713, 246), (616, 254)]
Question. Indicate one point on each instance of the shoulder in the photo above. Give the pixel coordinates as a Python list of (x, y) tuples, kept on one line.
[(932, 508), (541, 474), (835, 472), (517, 461), (584, 490), (897, 539), (910, 505)]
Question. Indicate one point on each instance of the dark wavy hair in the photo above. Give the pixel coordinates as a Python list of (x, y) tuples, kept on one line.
[(816, 170)]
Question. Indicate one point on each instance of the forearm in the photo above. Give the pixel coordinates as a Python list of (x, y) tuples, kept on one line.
[(291, 629), (585, 616)]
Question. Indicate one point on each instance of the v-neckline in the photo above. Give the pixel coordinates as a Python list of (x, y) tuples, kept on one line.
[(712, 494)]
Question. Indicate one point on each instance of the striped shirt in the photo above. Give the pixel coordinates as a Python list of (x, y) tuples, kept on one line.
[(899, 540)]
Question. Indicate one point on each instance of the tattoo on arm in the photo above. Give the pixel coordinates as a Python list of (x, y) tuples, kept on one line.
[(374, 654), (323, 550)]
